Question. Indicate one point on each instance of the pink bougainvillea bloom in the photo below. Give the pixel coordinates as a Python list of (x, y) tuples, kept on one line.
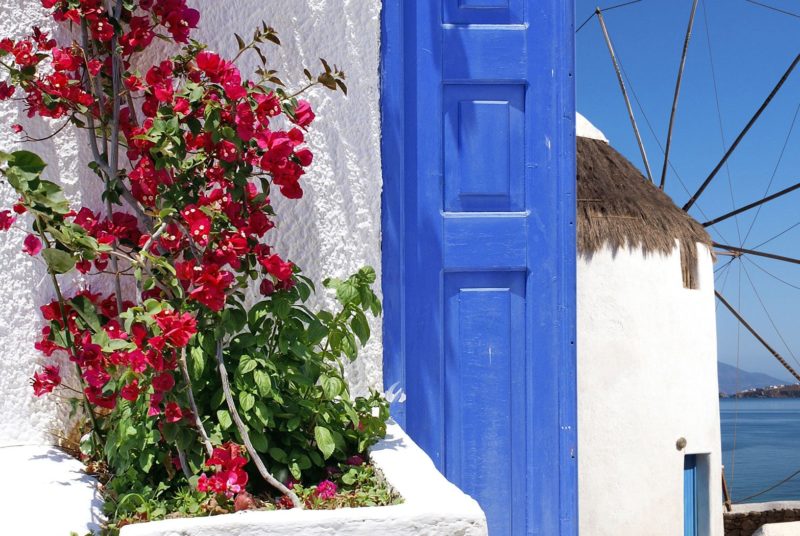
[(173, 412), (199, 224), (176, 327), (6, 220), (6, 91), (131, 391), (277, 267), (32, 245), (303, 114), (326, 490), (45, 381), (163, 382)]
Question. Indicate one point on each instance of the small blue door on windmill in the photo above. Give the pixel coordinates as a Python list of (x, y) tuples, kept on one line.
[(479, 249)]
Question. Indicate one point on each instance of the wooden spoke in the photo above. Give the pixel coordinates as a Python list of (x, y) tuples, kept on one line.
[(677, 94), (754, 204), (736, 251)]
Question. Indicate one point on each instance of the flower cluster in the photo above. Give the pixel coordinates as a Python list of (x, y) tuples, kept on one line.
[(141, 360), (229, 477)]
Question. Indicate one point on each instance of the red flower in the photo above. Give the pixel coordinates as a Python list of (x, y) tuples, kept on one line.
[(163, 382), (6, 91), (229, 477), (131, 391), (96, 377), (173, 412), (32, 245), (303, 114), (210, 287), (6, 220), (199, 224), (24, 54), (101, 28), (96, 397), (45, 381), (277, 267), (176, 327)]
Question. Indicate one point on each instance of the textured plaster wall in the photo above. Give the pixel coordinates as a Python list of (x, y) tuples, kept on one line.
[(646, 377), (332, 231)]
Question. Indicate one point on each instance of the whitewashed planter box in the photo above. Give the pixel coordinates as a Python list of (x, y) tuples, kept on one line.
[(432, 506)]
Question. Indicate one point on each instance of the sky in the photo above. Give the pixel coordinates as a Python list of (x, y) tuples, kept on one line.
[(749, 47)]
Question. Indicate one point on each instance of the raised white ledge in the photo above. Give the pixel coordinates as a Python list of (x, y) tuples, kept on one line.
[(46, 493), (779, 529), (431, 506)]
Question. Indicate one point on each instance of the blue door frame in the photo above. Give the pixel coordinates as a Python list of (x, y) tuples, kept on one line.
[(479, 249)]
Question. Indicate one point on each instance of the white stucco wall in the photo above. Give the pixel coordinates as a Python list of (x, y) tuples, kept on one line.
[(332, 231), (646, 377)]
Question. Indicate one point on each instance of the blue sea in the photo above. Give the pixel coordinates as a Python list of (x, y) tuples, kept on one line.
[(766, 433)]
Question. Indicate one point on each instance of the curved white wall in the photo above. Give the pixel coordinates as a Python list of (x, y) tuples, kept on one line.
[(332, 231), (647, 376)]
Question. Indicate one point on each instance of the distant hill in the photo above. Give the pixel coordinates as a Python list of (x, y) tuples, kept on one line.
[(747, 380)]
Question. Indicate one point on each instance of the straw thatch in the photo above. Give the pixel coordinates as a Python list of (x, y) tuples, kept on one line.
[(619, 208)]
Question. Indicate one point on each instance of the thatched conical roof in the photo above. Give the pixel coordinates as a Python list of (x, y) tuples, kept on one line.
[(619, 208)]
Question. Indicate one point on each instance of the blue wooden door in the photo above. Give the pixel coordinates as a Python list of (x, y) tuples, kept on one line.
[(690, 510), (479, 249)]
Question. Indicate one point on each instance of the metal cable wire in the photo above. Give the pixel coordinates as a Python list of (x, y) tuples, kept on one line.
[(773, 8), (751, 261), (719, 119), (777, 235), (590, 17), (774, 172), (784, 481), (769, 316)]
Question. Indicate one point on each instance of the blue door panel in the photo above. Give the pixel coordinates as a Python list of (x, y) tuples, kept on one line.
[(484, 147), (479, 249), (485, 389)]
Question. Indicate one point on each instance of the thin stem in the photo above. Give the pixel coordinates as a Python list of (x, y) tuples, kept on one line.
[(301, 90), (184, 466), (114, 154), (193, 405), (226, 389)]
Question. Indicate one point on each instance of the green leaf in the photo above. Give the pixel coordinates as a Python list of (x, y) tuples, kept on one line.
[(360, 327), (247, 364), (263, 383), (146, 459), (27, 161), (346, 292), (246, 401), (259, 440), (60, 262), (325, 441), (331, 386), (278, 454), (224, 418), (197, 362), (86, 310)]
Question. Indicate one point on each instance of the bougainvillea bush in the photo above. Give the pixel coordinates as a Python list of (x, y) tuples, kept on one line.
[(196, 397)]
